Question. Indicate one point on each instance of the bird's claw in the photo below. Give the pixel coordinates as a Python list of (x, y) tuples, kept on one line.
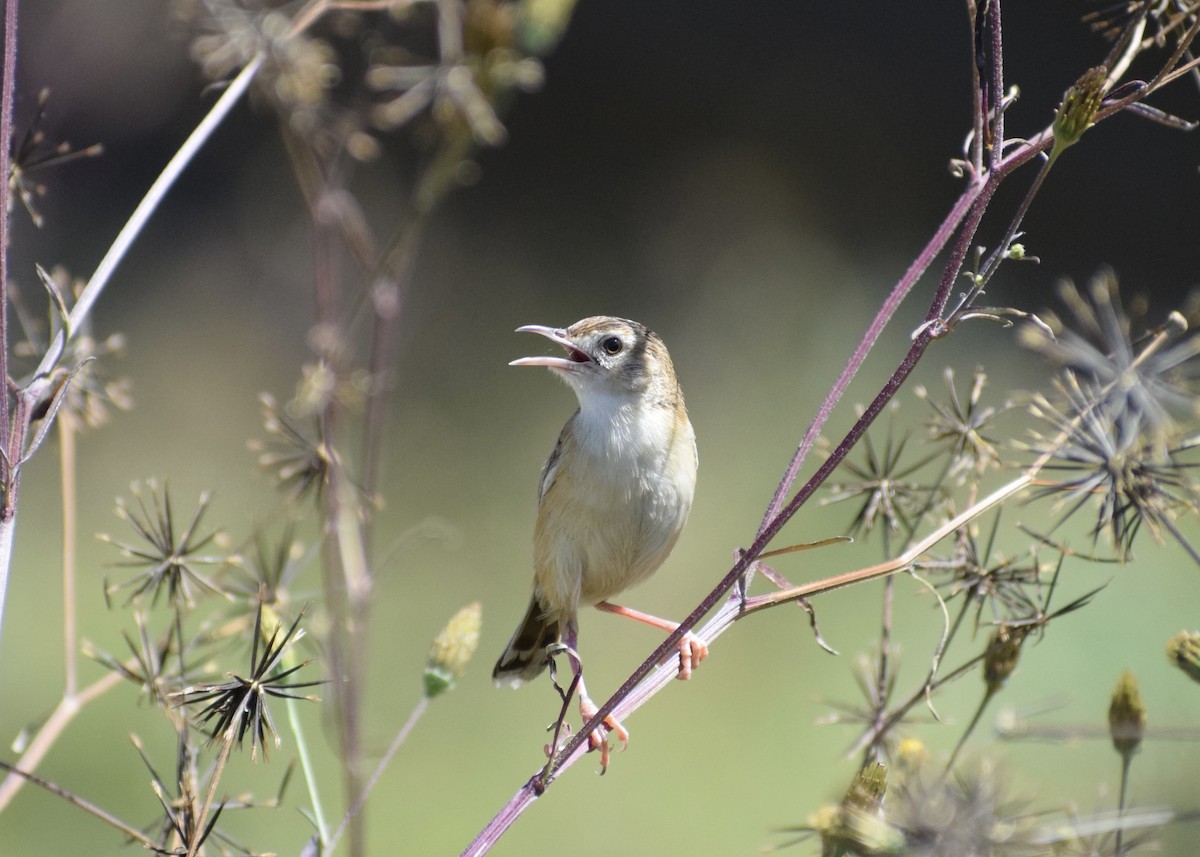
[(598, 737), (692, 650)]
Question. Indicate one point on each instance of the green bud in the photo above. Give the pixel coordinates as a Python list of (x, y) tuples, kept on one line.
[(1126, 715), (1184, 651), (452, 650), (1078, 109)]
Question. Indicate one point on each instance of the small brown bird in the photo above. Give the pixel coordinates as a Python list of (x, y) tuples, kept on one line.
[(613, 496)]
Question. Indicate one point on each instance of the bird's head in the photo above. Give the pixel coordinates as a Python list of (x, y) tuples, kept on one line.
[(607, 356)]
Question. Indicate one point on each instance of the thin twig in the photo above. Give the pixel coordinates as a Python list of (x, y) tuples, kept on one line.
[(141, 215), (396, 744), (70, 499), (214, 780), (107, 817)]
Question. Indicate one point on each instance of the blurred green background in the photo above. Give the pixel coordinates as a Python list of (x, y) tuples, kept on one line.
[(747, 179)]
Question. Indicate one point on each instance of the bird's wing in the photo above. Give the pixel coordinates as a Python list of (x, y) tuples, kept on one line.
[(550, 468)]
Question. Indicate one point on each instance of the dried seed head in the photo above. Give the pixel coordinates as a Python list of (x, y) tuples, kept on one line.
[(452, 650), (1126, 715), (1184, 651)]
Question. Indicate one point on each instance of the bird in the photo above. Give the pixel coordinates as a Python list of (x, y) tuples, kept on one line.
[(613, 497)]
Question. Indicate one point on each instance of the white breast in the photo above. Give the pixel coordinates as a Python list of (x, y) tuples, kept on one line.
[(615, 501)]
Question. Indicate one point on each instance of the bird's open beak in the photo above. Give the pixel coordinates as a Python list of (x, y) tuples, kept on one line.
[(554, 334)]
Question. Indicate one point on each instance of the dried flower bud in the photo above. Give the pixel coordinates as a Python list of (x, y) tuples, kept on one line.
[(1184, 651), (1078, 109), (1000, 659), (452, 650), (1126, 715)]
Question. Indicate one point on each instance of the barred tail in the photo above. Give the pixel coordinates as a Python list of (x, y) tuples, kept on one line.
[(525, 656)]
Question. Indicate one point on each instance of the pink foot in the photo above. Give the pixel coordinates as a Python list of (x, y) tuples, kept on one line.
[(598, 738), (692, 650)]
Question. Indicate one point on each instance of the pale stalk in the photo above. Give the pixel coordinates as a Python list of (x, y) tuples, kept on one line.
[(396, 744), (66, 436), (87, 806), (141, 215), (214, 780)]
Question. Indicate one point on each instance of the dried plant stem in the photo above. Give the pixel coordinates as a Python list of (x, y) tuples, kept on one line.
[(213, 781), (70, 498), (50, 731), (387, 301), (13, 437), (315, 9), (7, 87), (1132, 49), (352, 549), (132, 832), (962, 740), (1118, 847), (145, 209), (397, 742), (905, 559)]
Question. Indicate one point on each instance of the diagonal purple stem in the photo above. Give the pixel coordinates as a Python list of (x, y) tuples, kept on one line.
[(899, 292)]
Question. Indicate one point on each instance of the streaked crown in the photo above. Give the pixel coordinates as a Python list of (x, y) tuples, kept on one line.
[(610, 355)]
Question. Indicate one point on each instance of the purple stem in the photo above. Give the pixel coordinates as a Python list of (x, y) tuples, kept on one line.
[(899, 292), (996, 64), (6, 123)]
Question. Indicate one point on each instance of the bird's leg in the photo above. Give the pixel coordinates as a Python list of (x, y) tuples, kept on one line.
[(597, 738), (692, 650)]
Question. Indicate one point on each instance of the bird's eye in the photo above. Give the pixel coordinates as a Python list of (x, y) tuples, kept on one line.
[(612, 345)]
